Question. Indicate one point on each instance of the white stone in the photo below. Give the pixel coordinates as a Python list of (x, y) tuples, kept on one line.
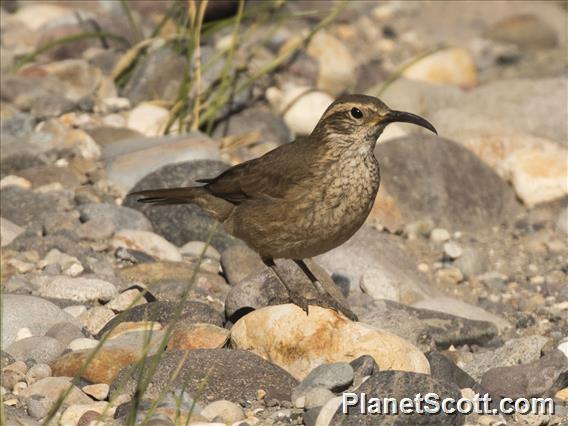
[(83, 143), (96, 318), (116, 103), (563, 347), (70, 265), (328, 411), (538, 175), (147, 242), (72, 415), (379, 285), (12, 180), (452, 250), (195, 248), (148, 119), (82, 343), (98, 391), (228, 411), (302, 105), (114, 120), (79, 289), (23, 333), (9, 231), (20, 266), (439, 235), (452, 66), (126, 300), (337, 68), (324, 336), (75, 310)]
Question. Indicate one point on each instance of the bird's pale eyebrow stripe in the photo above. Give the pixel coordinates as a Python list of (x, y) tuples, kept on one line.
[(340, 107)]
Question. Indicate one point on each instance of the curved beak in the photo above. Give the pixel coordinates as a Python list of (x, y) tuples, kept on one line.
[(406, 117)]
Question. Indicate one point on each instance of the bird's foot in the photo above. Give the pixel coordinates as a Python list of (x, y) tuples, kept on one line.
[(336, 305), (299, 300)]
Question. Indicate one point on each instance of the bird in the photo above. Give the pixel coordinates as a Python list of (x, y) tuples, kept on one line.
[(302, 198)]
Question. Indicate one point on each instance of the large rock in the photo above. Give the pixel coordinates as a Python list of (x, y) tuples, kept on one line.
[(212, 374), (384, 254), (298, 342), (180, 224), (19, 311), (428, 177), (120, 216), (427, 329), (129, 160), (25, 207), (398, 385)]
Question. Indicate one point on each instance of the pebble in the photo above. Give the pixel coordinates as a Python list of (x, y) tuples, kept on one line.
[(38, 406), (69, 265), (147, 242), (96, 318), (126, 300), (9, 231), (379, 285), (74, 412), (196, 248), (226, 411), (98, 391), (453, 250), (148, 119), (38, 372), (78, 289), (439, 235), (12, 180), (82, 343), (42, 349), (332, 377)]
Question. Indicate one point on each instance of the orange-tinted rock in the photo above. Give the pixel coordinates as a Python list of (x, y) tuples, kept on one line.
[(198, 336), (103, 368)]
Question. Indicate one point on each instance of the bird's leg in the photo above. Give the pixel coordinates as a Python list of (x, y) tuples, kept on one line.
[(325, 285), (295, 297)]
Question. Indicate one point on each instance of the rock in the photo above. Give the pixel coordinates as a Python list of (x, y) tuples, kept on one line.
[(562, 221), (520, 350), (239, 262), (452, 250), (103, 368), (537, 175), (126, 300), (53, 387), (331, 377), (328, 411), (180, 224), (158, 76), (148, 119), (8, 231), (79, 289), (26, 208), (226, 411), (120, 216), (69, 265), (452, 66), (439, 235), (317, 397), (96, 318), (467, 203), (164, 312), (38, 407), (302, 106), (534, 107), (458, 308), (336, 64), (48, 106), (37, 372), (219, 374), (74, 412), (65, 332), (146, 242), (381, 252), (98, 391), (258, 124), (363, 367), (472, 262), (130, 160), (541, 378), (42, 349), (82, 343), (515, 29), (323, 336), (444, 369), (424, 328), (37, 314), (12, 180), (195, 249), (398, 385), (197, 336), (379, 285), (449, 275)]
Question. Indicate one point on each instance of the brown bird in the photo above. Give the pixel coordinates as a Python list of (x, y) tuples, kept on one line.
[(304, 198)]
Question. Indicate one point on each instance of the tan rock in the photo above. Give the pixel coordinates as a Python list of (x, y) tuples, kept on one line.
[(147, 242), (148, 119), (72, 415), (132, 326), (198, 336), (297, 342), (103, 368), (126, 300), (53, 387), (98, 391), (454, 66)]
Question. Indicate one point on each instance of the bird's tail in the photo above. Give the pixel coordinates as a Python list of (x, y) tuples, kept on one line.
[(217, 207)]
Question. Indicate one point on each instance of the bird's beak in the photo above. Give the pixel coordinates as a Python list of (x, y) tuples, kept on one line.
[(405, 117)]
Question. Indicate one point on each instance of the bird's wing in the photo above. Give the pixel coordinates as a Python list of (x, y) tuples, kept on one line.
[(272, 175)]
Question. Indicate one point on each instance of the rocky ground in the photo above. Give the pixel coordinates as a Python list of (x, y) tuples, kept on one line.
[(459, 277)]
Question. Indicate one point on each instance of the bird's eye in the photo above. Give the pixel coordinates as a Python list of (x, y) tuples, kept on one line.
[(356, 113)]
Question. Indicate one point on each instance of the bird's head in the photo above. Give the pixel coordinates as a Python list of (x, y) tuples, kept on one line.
[(360, 119)]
